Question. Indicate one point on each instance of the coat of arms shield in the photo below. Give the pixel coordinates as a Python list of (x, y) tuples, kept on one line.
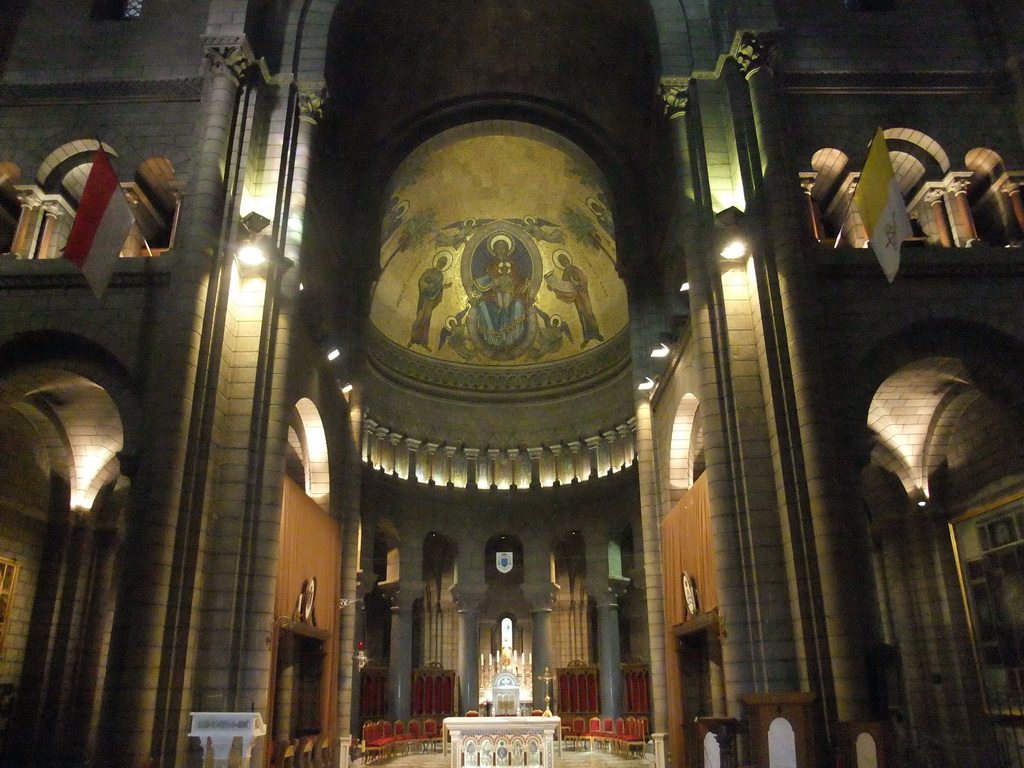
[(503, 562)]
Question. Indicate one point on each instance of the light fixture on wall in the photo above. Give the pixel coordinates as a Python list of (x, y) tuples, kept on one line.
[(646, 385), (662, 350), (684, 287), (734, 249), (333, 355), (253, 253), (346, 389)]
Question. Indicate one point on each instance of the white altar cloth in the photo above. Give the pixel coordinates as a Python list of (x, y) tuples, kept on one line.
[(503, 741)]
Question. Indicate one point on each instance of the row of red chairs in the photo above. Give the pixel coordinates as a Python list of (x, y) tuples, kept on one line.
[(383, 739), (627, 736)]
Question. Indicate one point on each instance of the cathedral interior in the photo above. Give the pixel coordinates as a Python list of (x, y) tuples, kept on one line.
[(564, 376)]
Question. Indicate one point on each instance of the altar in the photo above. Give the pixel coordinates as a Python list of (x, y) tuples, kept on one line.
[(503, 741)]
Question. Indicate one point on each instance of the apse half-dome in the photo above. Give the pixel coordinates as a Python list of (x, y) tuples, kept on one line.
[(498, 263)]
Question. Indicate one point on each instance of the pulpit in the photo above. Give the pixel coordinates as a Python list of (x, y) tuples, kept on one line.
[(217, 732)]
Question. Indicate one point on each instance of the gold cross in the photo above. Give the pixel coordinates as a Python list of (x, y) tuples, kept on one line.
[(547, 677)]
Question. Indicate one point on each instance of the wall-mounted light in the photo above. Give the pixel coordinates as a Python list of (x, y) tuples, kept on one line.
[(661, 350), (922, 503), (253, 253), (333, 355), (346, 389), (735, 249), (646, 384), (684, 287)]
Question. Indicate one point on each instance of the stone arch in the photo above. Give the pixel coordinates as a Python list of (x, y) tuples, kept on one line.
[(70, 355), (67, 167), (308, 440), (684, 431), (993, 359), (918, 144)]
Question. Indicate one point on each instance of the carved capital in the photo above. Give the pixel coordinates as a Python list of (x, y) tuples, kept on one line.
[(230, 56), (541, 597), (676, 96), (468, 599), (756, 50), (311, 103)]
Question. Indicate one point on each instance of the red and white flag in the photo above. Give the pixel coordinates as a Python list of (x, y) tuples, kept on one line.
[(101, 226)]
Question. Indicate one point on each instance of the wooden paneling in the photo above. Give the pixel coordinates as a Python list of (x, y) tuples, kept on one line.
[(311, 547)]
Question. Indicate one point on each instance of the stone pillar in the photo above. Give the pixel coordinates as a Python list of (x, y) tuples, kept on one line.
[(472, 466), (814, 222), (541, 597), (556, 458), (449, 464), (144, 715), (412, 461), (467, 600), (609, 656), (1013, 192), (965, 218), (535, 455), (21, 246), (936, 201), (400, 661), (814, 507)]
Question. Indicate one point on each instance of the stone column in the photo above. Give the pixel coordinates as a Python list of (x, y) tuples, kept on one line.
[(535, 455), (1013, 192), (609, 655), (21, 246), (814, 505), (936, 201), (541, 596), (472, 467), (449, 464), (144, 714), (467, 600), (556, 458), (814, 223), (400, 662), (965, 219)]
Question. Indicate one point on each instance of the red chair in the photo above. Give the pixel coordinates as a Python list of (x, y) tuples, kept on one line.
[(431, 734), (594, 732), (413, 736)]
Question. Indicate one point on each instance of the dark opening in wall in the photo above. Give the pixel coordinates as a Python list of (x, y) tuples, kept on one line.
[(869, 5), (116, 9)]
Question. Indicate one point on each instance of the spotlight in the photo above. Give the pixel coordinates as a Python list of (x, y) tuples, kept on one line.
[(736, 249), (646, 384), (660, 351), (334, 354), (684, 287), (346, 389), (251, 255)]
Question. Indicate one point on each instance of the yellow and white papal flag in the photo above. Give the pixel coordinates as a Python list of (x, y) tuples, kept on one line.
[(880, 204)]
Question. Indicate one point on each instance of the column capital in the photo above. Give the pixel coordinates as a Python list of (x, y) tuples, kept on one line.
[(605, 593), (675, 93), (402, 594), (229, 55), (754, 50), (468, 599), (310, 101), (541, 596)]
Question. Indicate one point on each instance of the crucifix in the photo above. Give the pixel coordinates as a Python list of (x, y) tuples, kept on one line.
[(547, 677)]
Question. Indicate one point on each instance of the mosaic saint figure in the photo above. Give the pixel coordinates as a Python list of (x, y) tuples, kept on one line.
[(431, 289), (571, 287), (501, 295)]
